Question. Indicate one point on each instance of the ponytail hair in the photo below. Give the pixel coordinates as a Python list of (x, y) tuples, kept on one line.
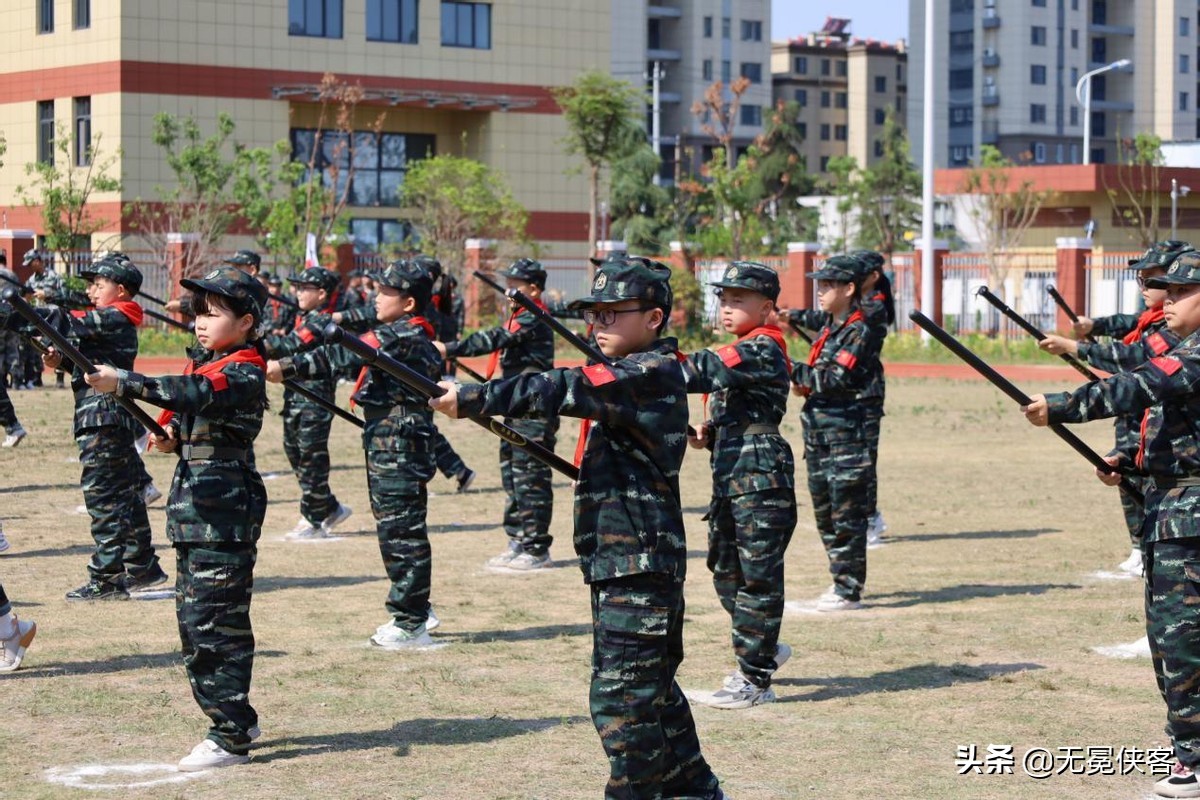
[(889, 300)]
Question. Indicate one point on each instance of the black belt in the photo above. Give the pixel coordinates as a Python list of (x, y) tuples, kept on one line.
[(1166, 484), (206, 452), (372, 413), (747, 429)]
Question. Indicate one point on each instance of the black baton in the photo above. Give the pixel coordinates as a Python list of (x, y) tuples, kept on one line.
[(1032, 330), (1066, 309)]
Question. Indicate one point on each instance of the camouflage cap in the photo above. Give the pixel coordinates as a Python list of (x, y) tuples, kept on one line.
[(273, 279), (527, 270), (120, 271), (615, 255), (871, 259), (630, 278), (1162, 254), (844, 269), (245, 258), (31, 256), (1183, 270), (233, 283), (410, 277), (320, 277), (750, 275)]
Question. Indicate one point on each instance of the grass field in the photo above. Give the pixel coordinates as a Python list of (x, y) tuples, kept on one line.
[(981, 615)]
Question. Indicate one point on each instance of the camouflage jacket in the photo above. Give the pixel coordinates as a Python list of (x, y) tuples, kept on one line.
[(409, 426), (308, 334), (1163, 394), (1116, 356), (104, 336), (50, 283), (1115, 325), (747, 383), (525, 344), (628, 516), (873, 390), (279, 316), (213, 499), (841, 365)]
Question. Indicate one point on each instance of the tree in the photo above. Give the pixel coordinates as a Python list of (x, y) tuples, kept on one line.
[(843, 185), (602, 122), (453, 199), (202, 201), (1004, 209), (639, 206), (887, 193), (718, 114), (273, 197), (1137, 197), (63, 188)]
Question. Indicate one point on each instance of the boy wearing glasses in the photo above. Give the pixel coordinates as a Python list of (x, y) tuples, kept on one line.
[(753, 510), (1163, 393), (1136, 338), (628, 523), (523, 345)]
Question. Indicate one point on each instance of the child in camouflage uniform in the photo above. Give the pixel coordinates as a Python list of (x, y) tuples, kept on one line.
[(523, 345), (837, 448), (113, 475), (628, 524), (1163, 391), (306, 424), (1142, 337), (217, 501), (753, 510), (397, 439)]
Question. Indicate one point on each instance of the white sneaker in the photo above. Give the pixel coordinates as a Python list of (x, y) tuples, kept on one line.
[(4, 545), (151, 494), (782, 653), (210, 755), (829, 593), (833, 604), (432, 622), (336, 518), (528, 562), (1181, 782), (737, 692), (876, 524), (504, 559), (1133, 565), (12, 649), (305, 532), (14, 438), (389, 637)]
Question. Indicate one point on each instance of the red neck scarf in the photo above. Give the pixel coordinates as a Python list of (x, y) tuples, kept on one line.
[(1148, 318), (512, 327), (247, 355), (585, 425), (819, 344), (373, 340), (132, 311)]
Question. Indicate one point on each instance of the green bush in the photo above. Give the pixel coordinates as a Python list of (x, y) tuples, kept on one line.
[(155, 342)]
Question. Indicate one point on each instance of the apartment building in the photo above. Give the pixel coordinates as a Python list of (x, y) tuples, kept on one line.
[(1008, 71), (845, 88)]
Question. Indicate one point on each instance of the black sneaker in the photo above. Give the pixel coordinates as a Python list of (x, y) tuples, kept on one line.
[(465, 479), (148, 580), (98, 590)]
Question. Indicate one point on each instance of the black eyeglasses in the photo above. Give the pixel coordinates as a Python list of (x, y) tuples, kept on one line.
[(608, 316)]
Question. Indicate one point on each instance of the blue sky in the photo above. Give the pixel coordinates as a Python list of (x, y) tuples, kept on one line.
[(870, 19)]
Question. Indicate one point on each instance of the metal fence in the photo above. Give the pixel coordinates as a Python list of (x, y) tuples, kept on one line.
[(1112, 286), (1021, 282)]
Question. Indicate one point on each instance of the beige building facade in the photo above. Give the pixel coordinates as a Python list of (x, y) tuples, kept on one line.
[(845, 88), (447, 77)]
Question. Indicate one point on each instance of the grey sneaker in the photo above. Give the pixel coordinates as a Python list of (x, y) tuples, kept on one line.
[(14, 437), (393, 638), (432, 621), (465, 479), (513, 550), (305, 532), (782, 653), (828, 605), (210, 755), (4, 545), (737, 692), (151, 494), (527, 562), (336, 518)]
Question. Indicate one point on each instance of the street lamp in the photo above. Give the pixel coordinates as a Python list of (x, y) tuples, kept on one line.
[(1177, 192), (1083, 93)]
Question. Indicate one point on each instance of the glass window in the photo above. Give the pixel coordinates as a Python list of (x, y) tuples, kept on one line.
[(726, 28), (371, 234), (726, 71), (752, 71), (45, 16), (707, 69), (880, 116), (839, 100), (379, 161), (751, 115), (825, 99), (824, 132), (321, 18), (802, 65), (751, 30), (708, 27), (392, 21), (962, 78), (880, 83), (1183, 101), (83, 14), (83, 131), (1074, 38), (1039, 3), (1184, 64), (824, 66), (467, 25), (1185, 26), (802, 96), (839, 132), (841, 69), (824, 163), (1037, 112), (45, 133), (878, 148), (802, 129), (1037, 74), (1037, 35)]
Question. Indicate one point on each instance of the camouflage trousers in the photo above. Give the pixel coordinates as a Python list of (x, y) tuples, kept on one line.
[(840, 477), (1173, 625), (11, 364), (449, 463), (872, 426), (530, 501), (306, 445), (8, 414), (112, 481), (213, 586), (748, 535), (399, 505), (644, 721), (31, 361), (5, 605)]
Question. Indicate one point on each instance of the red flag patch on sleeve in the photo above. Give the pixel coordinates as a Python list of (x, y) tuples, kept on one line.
[(599, 374), (846, 359), (729, 355), (219, 382), (305, 335), (1158, 345), (1167, 364)]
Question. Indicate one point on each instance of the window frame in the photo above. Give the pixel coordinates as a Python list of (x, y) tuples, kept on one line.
[(81, 115), (328, 9), (45, 131), (81, 14), (414, 7), (473, 8)]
